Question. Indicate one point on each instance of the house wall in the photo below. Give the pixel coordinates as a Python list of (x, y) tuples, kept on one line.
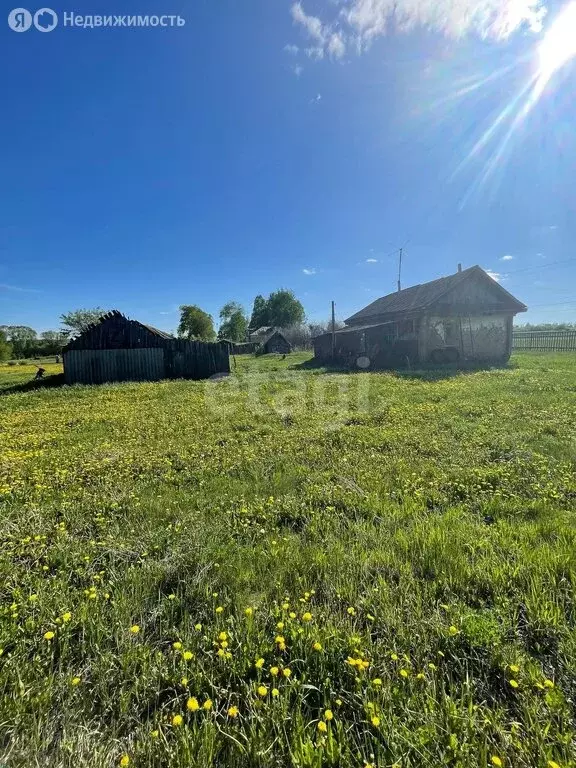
[(484, 338)]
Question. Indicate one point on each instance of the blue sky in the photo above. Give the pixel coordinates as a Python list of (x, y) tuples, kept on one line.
[(266, 145)]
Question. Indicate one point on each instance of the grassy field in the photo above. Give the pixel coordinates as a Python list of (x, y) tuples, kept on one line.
[(290, 568)]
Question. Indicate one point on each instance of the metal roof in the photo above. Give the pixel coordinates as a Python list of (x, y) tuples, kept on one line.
[(418, 297)]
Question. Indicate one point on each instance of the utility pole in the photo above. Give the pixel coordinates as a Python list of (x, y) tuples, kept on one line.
[(333, 333), (400, 272)]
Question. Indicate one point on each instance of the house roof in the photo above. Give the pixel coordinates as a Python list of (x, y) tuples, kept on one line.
[(419, 297), (271, 335), (265, 329), (114, 314)]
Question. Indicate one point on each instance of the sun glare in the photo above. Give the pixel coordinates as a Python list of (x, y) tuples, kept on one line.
[(559, 44)]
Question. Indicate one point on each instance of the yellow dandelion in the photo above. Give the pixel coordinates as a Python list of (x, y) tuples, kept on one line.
[(514, 668), (404, 673), (184, 682), (66, 617), (172, 597), (262, 690), (33, 598), (548, 684), (495, 760), (377, 682), (280, 625), (155, 733), (307, 616), (514, 683), (192, 704), (177, 646), (322, 727), (287, 672), (76, 681), (207, 705), (177, 720), (292, 615), (187, 655), (124, 761), (328, 714), (452, 631), (198, 627), (351, 611), (222, 636), (48, 635), (259, 663), (220, 609), (552, 764), (248, 612), (317, 646), (134, 629), (233, 712), (275, 692), (420, 676), (285, 606), (394, 656), (433, 667), (338, 702), (375, 721)]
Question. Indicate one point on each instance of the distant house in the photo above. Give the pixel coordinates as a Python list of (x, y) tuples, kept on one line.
[(118, 349), (465, 316), (275, 342)]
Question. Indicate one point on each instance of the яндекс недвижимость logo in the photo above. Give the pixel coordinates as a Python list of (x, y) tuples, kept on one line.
[(21, 19), (45, 20)]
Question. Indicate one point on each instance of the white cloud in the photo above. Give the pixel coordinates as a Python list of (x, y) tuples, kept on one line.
[(336, 45), (360, 22), (298, 70), (371, 261), (18, 288), (316, 99), (327, 38), (495, 275), (311, 24), (508, 257), (293, 49), (309, 271)]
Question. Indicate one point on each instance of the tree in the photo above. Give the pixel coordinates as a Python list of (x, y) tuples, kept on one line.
[(77, 321), (234, 325), (195, 324), (284, 309), (259, 313), (52, 342), (21, 338), (5, 348)]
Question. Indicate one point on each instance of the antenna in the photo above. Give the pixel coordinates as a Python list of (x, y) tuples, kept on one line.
[(400, 271)]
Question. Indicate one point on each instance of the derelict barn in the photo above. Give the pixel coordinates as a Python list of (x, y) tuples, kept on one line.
[(118, 349), (467, 316), (275, 342)]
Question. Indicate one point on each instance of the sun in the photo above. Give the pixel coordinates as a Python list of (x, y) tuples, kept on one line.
[(559, 44)]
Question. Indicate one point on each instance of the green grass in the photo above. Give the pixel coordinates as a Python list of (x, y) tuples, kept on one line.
[(424, 520)]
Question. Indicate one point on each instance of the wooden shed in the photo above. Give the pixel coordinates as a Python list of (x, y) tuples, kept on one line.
[(275, 342), (118, 349), (467, 316)]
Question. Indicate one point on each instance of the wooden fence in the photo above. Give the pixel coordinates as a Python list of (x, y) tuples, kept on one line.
[(544, 341), (176, 359)]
